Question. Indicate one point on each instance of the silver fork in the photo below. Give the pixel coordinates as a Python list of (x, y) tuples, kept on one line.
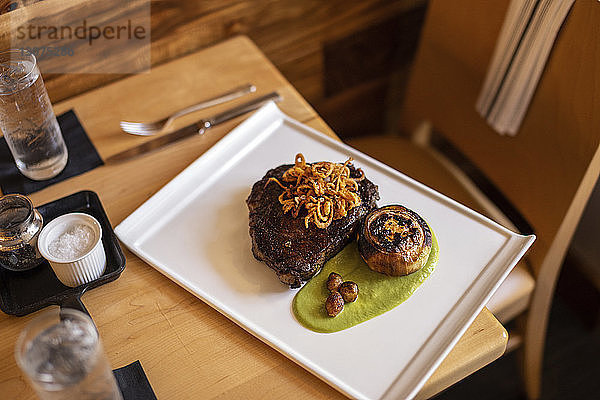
[(151, 128)]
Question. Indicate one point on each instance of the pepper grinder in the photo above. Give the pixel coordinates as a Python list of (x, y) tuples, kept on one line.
[(20, 225)]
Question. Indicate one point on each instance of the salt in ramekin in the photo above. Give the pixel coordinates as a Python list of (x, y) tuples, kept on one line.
[(80, 270)]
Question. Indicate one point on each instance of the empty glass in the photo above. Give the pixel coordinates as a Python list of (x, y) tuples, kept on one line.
[(61, 355), (27, 119)]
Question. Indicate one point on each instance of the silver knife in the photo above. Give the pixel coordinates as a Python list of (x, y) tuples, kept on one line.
[(190, 130)]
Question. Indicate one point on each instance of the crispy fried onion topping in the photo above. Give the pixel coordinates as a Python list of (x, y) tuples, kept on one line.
[(324, 189)]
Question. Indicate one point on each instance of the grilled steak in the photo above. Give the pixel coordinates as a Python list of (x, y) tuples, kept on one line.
[(294, 252)]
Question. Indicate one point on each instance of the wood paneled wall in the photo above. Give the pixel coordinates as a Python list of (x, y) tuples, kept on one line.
[(340, 54)]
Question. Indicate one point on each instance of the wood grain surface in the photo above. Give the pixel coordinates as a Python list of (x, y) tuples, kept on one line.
[(335, 53), (188, 349), (291, 33)]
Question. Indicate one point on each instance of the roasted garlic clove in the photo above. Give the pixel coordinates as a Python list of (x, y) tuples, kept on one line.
[(334, 281), (349, 291), (334, 304)]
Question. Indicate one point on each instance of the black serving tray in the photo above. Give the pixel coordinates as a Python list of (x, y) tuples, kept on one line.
[(24, 292)]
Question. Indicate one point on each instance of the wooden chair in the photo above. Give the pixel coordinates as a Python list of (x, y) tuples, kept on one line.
[(547, 171)]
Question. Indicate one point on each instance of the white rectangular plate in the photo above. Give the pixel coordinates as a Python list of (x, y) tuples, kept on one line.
[(195, 231)]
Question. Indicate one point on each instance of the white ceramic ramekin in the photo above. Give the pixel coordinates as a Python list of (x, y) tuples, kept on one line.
[(82, 269)]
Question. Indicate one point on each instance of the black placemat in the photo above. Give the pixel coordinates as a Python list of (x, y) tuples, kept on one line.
[(24, 292), (82, 157), (133, 382)]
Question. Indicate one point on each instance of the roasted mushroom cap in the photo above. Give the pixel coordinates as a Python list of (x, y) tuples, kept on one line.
[(394, 240)]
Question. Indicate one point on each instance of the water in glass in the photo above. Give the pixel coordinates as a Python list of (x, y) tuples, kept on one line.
[(65, 361), (27, 119)]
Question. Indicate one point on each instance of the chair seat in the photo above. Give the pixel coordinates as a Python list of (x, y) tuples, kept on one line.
[(425, 166), (512, 297)]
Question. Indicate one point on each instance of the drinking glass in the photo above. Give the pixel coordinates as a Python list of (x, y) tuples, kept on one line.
[(27, 119), (61, 354)]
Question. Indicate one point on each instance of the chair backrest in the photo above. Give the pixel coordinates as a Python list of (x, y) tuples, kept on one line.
[(549, 169)]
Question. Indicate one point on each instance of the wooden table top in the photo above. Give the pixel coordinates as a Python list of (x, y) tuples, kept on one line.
[(188, 349)]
